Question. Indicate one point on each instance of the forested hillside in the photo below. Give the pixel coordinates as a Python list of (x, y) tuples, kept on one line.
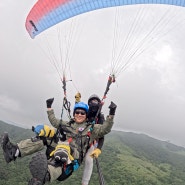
[(126, 159)]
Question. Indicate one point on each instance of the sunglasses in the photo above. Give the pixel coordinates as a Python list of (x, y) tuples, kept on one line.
[(80, 112)]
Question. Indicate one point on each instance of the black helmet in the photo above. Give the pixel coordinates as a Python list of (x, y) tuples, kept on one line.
[(93, 105), (94, 96)]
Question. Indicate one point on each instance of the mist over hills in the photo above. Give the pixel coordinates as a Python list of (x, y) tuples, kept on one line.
[(127, 159)]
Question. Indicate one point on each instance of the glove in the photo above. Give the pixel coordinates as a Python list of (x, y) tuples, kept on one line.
[(112, 108), (49, 102), (95, 153), (44, 130)]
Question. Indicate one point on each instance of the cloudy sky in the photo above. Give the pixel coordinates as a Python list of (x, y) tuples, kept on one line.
[(149, 93)]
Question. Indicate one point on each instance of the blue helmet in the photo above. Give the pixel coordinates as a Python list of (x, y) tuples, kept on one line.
[(81, 105)]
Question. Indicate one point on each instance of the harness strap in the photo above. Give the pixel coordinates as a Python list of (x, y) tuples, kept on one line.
[(100, 175), (66, 103), (86, 142), (67, 106), (111, 80)]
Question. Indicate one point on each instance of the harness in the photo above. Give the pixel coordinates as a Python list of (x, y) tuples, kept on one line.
[(67, 169), (63, 130), (80, 143)]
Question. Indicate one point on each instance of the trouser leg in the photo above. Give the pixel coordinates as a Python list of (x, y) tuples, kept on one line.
[(21, 149), (88, 167), (41, 171), (27, 147), (54, 172)]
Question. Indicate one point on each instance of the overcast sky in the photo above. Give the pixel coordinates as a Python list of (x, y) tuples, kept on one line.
[(150, 93)]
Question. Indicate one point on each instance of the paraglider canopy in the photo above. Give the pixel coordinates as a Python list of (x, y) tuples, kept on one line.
[(46, 13)]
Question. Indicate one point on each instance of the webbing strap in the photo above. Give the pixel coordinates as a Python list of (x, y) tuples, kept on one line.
[(111, 80), (100, 175), (66, 103)]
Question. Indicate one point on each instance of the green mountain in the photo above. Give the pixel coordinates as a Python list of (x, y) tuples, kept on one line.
[(126, 159)]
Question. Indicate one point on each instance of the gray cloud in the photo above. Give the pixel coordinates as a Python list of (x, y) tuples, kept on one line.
[(150, 93)]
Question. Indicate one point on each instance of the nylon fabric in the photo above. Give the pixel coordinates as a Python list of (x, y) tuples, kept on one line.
[(62, 146), (46, 13)]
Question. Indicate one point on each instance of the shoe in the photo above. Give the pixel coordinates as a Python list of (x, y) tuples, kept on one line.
[(9, 149), (39, 169)]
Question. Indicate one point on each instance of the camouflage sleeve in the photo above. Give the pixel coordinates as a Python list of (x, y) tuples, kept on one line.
[(53, 120), (101, 118), (100, 142), (100, 130)]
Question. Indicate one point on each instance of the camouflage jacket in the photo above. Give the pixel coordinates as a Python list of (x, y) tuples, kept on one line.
[(81, 135)]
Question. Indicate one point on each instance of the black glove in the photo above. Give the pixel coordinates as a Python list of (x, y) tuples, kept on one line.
[(49, 102), (112, 108)]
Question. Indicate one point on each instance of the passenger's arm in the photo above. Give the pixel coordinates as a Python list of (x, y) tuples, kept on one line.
[(100, 142), (53, 120)]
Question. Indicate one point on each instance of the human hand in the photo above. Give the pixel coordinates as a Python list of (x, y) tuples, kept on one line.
[(49, 102), (95, 153), (112, 108)]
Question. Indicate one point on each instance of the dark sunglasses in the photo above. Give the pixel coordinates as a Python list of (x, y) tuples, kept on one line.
[(80, 112)]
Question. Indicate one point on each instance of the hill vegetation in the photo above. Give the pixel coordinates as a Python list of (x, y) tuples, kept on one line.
[(126, 159)]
